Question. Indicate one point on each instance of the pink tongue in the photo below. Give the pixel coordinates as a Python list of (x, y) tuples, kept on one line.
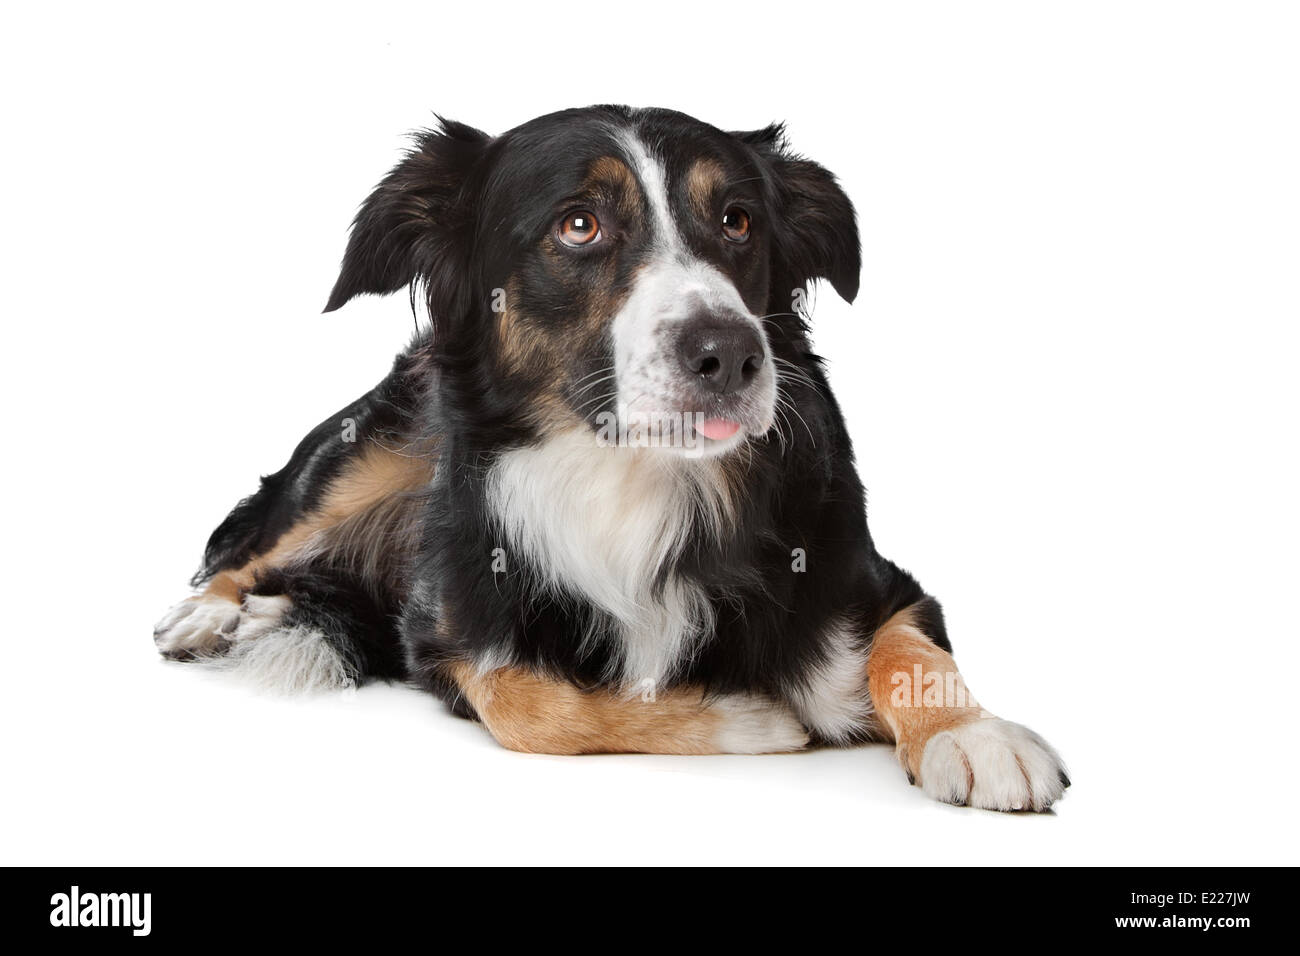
[(717, 428)]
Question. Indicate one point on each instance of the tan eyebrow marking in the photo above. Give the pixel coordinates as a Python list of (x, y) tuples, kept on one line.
[(611, 178), (705, 177)]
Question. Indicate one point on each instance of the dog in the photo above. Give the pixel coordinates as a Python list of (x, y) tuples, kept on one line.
[(605, 501)]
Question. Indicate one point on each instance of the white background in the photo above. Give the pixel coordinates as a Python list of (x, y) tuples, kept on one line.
[(1070, 377)]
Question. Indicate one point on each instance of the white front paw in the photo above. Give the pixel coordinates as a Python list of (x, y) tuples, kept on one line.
[(195, 628), (204, 627), (993, 764)]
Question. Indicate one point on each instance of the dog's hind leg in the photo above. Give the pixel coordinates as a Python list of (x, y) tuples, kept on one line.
[(315, 563), (318, 608), (528, 712)]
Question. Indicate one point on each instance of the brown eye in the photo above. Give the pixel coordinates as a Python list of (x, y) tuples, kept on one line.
[(579, 228), (735, 224)]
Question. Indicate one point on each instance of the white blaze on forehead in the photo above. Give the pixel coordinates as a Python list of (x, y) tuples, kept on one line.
[(653, 177), (674, 275), (673, 285)]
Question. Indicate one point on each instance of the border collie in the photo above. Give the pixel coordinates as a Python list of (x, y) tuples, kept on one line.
[(606, 502)]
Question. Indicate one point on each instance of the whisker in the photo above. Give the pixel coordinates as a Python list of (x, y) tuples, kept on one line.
[(794, 372), (599, 371), (799, 415), (590, 386), (595, 403), (606, 368)]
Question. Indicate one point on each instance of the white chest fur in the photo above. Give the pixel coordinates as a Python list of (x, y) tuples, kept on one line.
[(600, 523)]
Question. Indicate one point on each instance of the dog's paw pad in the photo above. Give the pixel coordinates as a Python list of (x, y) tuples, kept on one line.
[(993, 764)]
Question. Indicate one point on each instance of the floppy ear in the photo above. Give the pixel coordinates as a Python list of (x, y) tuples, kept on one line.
[(819, 238), (410, 226)]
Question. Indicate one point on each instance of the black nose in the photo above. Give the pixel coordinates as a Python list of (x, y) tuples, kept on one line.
[(724, 356)]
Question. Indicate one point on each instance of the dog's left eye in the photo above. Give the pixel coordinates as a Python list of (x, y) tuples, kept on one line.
[(578, 228), (735, 224)]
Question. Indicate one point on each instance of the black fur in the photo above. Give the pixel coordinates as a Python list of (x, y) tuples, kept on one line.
[(459, 218), (361, 625)]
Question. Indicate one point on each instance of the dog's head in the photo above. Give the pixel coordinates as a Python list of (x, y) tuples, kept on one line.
[(611, 266)]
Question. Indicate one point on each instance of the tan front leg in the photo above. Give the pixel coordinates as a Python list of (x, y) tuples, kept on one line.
[(534, 714), (948, 744)]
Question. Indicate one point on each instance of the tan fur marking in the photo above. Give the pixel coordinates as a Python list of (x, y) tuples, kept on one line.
[(225, 586), (521, 348), (610, 170), (528, 343), (525, 349), (376, 474), (897, 647), (705, 177), (610, 178), (533, 714)]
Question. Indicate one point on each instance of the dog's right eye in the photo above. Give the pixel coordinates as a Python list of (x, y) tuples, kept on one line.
[(578, 228)]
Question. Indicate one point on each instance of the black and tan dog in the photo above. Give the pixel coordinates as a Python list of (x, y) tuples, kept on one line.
[(606, 502)]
